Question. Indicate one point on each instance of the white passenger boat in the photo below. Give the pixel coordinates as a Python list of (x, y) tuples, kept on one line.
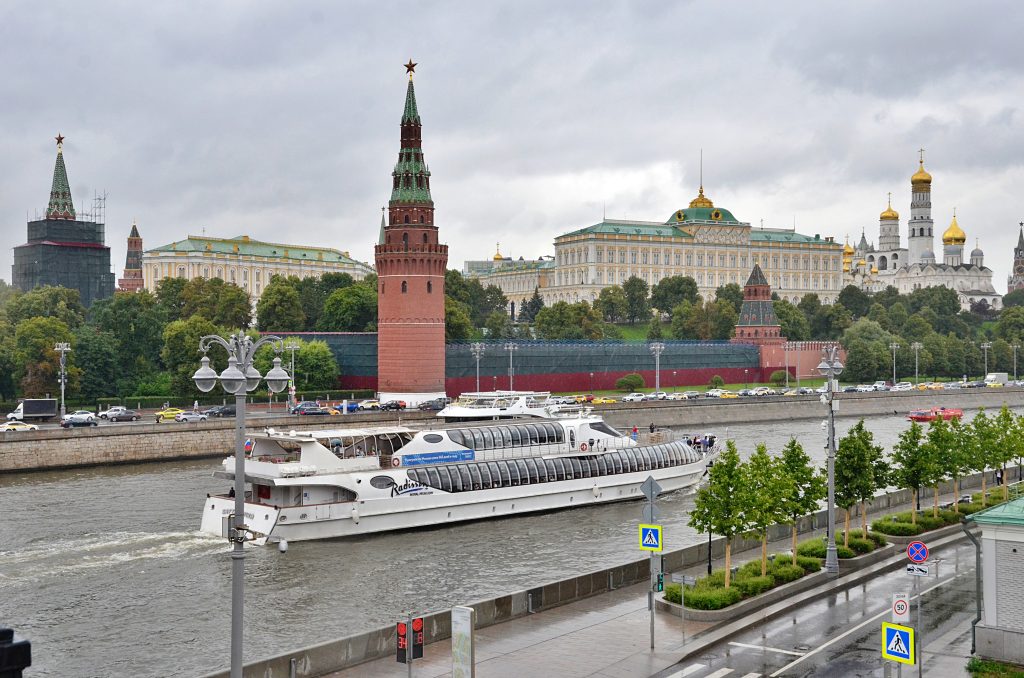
[(500, 405), (338, 483)]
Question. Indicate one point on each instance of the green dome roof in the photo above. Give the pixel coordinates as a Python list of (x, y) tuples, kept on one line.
[(702, 214)]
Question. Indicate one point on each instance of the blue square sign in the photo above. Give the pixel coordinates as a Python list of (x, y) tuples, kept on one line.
[(651, 538), (898, 643)]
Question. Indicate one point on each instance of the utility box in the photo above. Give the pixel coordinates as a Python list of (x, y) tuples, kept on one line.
[(1000, 634), (15, 654)]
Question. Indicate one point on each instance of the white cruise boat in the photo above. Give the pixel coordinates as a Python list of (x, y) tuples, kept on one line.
[(344, 482), (500, 405)]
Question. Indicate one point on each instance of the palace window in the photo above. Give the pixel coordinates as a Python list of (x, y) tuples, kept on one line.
[(689, 258), (732, 260), (678, 259), (430, 287), (643, 257), (632, 257), (785, 263), (657, 258), (700, 260), (599, 256)]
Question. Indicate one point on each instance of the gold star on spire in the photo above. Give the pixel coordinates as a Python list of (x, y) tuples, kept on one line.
[(410, 68)]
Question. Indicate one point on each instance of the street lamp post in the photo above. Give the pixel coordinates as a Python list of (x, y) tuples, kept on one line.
[(917, 346), (657, 348), (239, 377), (591, 382), (675, 382), (831, 367), (510, 347), (785, 352), (293, 347), (1015, 347), (478, 350), (63, 348), (745, 371), (894, 347), (985, 346)]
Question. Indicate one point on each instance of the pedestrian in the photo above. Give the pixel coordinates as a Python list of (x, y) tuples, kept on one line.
[(636, 433), (652, 427), (999, 476), (195, 406)]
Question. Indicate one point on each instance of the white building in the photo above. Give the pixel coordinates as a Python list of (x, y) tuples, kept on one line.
[(244, 262)]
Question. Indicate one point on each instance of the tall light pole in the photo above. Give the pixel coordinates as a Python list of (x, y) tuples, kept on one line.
[(985, 346), (293, 347), (591, 382), (510, 347), (1015, 347), (831, 367), (917, 346), (63, 348), (675, 382), (478, 350), (239, 377), (657, 348), (894, 347)]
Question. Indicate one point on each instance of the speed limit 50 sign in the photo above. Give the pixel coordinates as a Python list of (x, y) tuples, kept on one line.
[(900, 608)]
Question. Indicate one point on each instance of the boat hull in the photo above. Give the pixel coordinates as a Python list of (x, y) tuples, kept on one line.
[(347, 519)]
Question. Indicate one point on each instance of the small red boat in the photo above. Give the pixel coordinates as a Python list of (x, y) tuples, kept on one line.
[(945, 413)]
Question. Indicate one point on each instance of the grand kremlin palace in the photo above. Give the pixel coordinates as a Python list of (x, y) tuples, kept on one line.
[(702, 241)]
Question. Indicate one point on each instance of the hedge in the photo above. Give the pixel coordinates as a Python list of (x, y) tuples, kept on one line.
[(709, 593), (712, 598), (815, 548)]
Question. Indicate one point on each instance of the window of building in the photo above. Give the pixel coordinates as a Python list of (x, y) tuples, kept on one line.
[(657, 258), (206, 271), (689, 259), (679, 258), (732, 260), (599, 255), (405, 287), (775, 261), (622, 256), (700, 259), (721, 261), (785, 263), (430, 287), (632, 257)]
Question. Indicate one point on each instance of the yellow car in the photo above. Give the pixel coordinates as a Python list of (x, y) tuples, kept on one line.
[(993, 384), (728, 394), (935, 386), (603, 400), (18, 426), (169, 414)]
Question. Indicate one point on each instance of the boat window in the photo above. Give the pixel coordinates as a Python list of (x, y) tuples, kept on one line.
[(467, 482), (629, 464), (614, 463), (602, 466), (478, 438), (542, 432), (456, 437), (433, 478), (516, 433), (413, 473), (524, 471), (533, 433), (383, 482), (644, 457), (560, 470), (506, 436), (662, 452), (554, 432), (595, 470), (602, 427), (572, 439), (674, 455), (485, 475), (488, 438), (446, 479), (457, 485), (531, 467), (432, 438), (549, 467), (506, 479), (577, 468), (496, 479)]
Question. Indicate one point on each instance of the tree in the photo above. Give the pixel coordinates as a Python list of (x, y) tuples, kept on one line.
[(169, 295), (911, 465), (638, 305), (531, 307), (1010, 325), (731, 293), (985, 435), (8, 361), (180, 354), (855, 300), (854, 475), (807, 487), (793, 323), (47, 302), (939, 444), (569, 321), (136, 321), (716, 382), (220, 302), (315, 366), (1008, 444), (97, 352), (611, 304), (630, 382), (457, 325), (1014, 298), (350, 309), (654, 329), (280, 308), (877, 475), (721, 505), (957, 461), (499, 326), (711, 320), (38, 365), (767, 487), (672, 291)]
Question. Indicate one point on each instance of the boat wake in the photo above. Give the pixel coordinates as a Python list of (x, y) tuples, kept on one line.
[(42, 559)]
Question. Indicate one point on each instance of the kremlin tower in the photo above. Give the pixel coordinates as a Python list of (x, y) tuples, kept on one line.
[(411, 266), (132, 280)]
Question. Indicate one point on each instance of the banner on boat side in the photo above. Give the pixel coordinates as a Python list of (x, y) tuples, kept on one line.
[(437, 457), (651, 538)]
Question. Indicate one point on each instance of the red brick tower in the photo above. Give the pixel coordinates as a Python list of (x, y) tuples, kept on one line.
[(410, 276), (758, 323), (132, 280)]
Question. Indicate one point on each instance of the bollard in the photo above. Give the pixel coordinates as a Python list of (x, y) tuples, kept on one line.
[(15, 654)]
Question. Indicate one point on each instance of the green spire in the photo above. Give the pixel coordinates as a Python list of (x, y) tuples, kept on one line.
[(411, 113), (380, 237), (60, 206)]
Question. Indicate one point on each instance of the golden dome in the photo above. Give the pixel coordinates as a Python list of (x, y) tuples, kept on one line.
[(847, 249), (920, 176), (954, 235), (846, 267), (701, 200), (889, 212), (497, 253), (862, 263), (874, 269)]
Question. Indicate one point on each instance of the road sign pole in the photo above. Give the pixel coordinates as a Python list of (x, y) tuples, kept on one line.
[(917, 635), (651, 489)]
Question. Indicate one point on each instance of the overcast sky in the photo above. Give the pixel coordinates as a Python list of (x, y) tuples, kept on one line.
[(280, 120)]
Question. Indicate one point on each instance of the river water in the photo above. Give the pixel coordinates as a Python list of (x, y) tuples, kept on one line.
[(103, 570)]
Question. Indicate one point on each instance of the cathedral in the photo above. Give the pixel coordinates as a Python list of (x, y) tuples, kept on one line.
[(915, 266)]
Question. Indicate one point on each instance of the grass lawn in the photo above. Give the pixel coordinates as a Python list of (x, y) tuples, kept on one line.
[(986, 668)]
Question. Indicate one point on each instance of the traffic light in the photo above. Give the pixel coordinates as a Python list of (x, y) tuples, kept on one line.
[(403, 642), (405, 637), (659, 586)]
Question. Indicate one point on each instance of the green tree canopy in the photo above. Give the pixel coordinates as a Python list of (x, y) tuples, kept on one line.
[(731, 293), (807, 487), (767, 487), (792, 321), (638, 303), (531, 307), (180, 354), (672, 291), (38, 365), (170, 296), (611, 304), (457, 325), (720, 506), (280, 307), (854, 471), (47, 302), (220, 302), (563, 320), (96, 351), (350, 309)]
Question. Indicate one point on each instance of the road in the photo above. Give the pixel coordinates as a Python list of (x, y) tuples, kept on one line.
[(841, 635)]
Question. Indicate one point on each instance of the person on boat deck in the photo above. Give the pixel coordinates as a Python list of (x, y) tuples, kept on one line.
[(636, 433), (359, 451), (231, 492), (652, 427)]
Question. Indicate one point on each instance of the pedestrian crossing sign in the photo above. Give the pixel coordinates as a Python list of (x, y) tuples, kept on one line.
[(898, 643), (650, 538)]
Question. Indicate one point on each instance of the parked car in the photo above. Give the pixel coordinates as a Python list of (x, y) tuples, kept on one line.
[(308, 407), (764, 391), (713, 393), (880, 386), (676, 395), (168, 414), (393, 405), (744, 392), (903, 386), (12, 426), (603, 400), (728, 394), (633, 398), (221, 411), (849, 389), (657, 395), (584, 398), (190, 417), (691, 395), (435, 405), (974, 384), (79, 418), (952, 386), (865, 388), (124, 415), (370, 404), (110, 412)]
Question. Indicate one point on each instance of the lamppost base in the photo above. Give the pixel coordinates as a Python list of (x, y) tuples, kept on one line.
[(831, 561)]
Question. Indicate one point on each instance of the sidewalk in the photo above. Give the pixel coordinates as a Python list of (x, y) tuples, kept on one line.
[(607, 636)]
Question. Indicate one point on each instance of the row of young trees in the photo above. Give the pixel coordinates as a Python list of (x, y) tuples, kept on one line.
[(745, 498)]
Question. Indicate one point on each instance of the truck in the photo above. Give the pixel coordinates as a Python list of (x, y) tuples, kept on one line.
[(997, 378), (42, 409)]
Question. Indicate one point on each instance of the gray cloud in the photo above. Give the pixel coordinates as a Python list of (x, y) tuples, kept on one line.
[(281, 121)]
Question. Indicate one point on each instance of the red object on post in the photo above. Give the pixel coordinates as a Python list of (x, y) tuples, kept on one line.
[(403, 643)]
